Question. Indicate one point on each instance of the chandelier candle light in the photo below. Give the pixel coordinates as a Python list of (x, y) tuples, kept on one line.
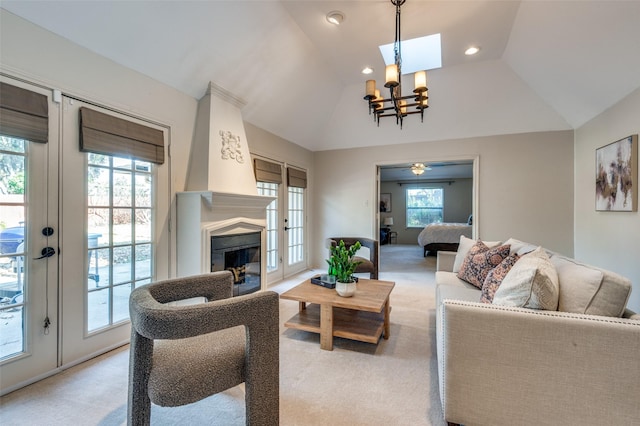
[(396, 105)]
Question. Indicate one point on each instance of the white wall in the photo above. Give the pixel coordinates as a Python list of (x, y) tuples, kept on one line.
[(525, 187), (609, 240)]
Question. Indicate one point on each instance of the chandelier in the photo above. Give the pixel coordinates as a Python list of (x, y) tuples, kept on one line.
[(397, 105)]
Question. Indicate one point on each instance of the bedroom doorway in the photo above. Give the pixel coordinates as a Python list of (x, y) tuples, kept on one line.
[(412, 195)]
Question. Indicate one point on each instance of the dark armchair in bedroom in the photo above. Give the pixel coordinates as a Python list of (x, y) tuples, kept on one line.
[(368, 265)]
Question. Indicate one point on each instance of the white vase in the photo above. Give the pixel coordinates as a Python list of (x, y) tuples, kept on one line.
[(346, 289)]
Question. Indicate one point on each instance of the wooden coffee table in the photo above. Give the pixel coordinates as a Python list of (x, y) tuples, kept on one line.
[(363, 317)]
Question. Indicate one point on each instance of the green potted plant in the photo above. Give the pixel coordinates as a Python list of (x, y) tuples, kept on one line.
[(342, 266)]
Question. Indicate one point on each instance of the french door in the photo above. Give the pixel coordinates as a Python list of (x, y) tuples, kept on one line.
[(286, 230), (295, 231), (29, 247), (109, 217)]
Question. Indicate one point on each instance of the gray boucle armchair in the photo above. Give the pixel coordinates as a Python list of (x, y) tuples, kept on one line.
[(183, 353)]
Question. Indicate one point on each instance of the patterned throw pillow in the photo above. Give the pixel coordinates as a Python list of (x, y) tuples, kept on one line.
[(495, 277), (480, 261)]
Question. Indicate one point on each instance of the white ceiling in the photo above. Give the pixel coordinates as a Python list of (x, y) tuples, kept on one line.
[(543, 65)]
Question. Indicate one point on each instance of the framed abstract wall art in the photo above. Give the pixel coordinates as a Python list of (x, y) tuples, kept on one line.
[(617, 176)]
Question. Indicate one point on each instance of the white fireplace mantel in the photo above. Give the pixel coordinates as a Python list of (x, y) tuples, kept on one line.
[(202, 214)]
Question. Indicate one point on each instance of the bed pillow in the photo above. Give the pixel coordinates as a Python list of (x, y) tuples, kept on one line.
[(496, 276), (531, 283), (480, 260), (464, 247)]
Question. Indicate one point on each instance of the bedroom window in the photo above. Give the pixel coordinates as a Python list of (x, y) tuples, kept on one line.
[(424, 206)]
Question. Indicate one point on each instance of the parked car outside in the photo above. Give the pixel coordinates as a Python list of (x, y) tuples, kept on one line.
[(10, 239)]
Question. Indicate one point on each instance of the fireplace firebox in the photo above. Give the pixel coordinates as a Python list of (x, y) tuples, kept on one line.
[(240, 254)]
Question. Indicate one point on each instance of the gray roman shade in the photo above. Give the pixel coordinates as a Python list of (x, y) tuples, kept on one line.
[(23, 114), (105, 134), (266, 171), (296, 178)]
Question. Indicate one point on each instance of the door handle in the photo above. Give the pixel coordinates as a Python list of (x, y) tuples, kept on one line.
[(46, 252), (286, 228)]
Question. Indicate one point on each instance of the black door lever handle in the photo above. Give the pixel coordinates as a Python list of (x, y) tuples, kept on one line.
[(46, 252)]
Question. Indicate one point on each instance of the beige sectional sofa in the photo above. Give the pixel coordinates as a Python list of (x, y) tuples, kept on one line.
[(507, 365)]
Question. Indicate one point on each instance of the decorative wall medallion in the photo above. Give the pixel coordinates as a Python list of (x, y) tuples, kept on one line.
[(231, 146)]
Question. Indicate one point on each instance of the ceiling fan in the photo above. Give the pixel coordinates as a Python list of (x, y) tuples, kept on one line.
[(419, 168)]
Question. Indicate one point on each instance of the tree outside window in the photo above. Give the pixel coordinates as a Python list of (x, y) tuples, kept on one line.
[(424, 206)]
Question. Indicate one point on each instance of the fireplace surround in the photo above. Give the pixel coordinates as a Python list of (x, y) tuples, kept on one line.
[(210, 226)]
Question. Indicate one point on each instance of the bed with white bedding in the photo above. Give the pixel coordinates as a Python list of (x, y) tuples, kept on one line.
[(443, 236)]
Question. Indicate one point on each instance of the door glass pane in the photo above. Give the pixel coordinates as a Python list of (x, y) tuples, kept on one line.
[(98, 227), (143, 191), (98, 270), (98, 314), (98, 188), (98, 159), (122, 264), (143, 225), (121, 302), (122, 226), (122, 195), (143, 261), (13, 282), (121, 163)]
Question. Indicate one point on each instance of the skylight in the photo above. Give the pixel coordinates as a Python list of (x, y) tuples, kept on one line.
[(422, 53)]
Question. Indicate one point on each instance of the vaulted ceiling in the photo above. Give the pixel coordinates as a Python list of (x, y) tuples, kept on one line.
[(543, 65)]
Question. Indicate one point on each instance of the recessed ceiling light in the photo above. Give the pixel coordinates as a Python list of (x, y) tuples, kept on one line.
[(367, 70), (335, 17), (472, 51)]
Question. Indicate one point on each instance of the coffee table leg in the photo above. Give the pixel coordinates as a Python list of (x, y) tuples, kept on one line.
[(326, 327), (387, 312), (302, 306)]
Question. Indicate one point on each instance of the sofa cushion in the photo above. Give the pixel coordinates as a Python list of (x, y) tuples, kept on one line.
[(463, 248), (449, 278), (531, 283), (586, 289), (496, 276), (455, 292), (480, 260)]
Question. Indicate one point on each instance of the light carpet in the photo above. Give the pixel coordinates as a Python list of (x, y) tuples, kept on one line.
[(391, 383)]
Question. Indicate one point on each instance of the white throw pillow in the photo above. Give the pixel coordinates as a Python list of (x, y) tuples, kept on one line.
[(520, 247), (531, 283), (464, 247)]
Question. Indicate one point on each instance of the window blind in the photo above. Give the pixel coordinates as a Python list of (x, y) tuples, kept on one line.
[(266, 171), (105, 134), (296, 178), (23, 114)]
